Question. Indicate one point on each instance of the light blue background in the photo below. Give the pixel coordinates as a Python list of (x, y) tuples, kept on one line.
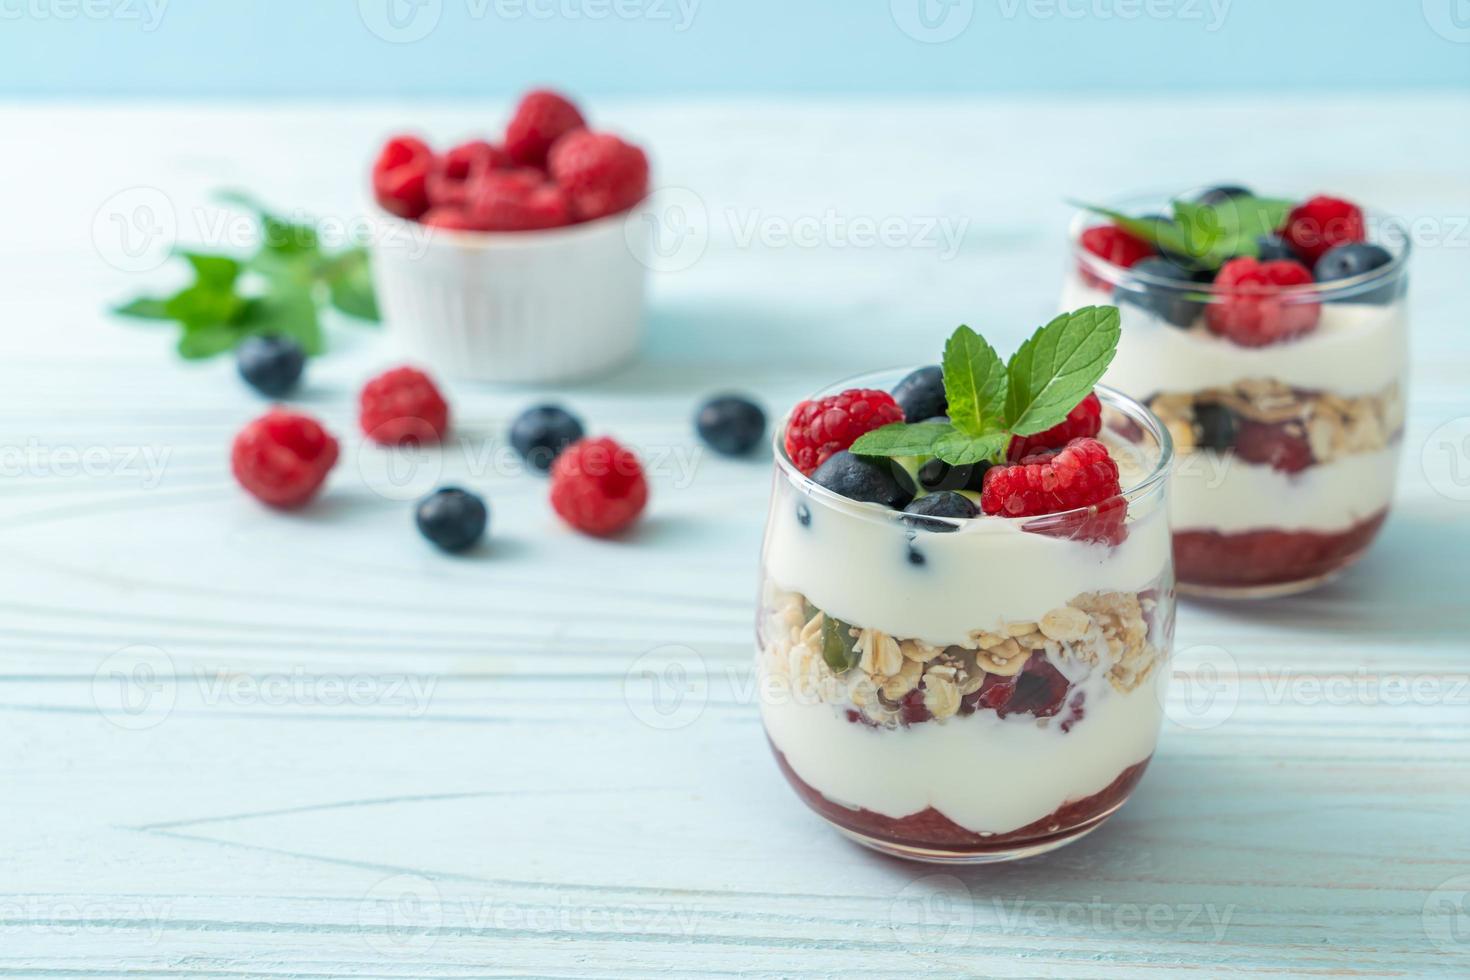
[(316, 48)]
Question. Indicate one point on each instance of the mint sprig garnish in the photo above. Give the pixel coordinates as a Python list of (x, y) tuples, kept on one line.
[(989, 402), (278, 290), (1056, 368), (974, 383), (1206, 236)]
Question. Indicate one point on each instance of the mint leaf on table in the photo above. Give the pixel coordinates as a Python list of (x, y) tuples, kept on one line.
[(145, 308), (278, 235), (1056, 368), (350, 285), (212, 299), (285, 311), (974, 382), (202, 342), (277, 290)]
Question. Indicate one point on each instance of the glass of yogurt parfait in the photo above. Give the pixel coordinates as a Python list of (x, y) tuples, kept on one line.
[(964, 631), (1271, 337)]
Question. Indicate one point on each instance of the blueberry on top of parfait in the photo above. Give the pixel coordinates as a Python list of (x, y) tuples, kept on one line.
[(1222, 194), (866, 479), (921, 394), (945, 503), (1171, 303), (1274, 248), (1356, 259)]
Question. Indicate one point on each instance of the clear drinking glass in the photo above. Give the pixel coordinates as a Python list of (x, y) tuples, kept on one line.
[(971, 690), (1287, 453)]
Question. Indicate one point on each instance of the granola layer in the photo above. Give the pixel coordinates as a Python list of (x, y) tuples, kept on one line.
[(889, 681), (984, 737), (1331, 426)]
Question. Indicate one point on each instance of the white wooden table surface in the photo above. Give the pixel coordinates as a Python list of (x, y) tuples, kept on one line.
[(371, 760)]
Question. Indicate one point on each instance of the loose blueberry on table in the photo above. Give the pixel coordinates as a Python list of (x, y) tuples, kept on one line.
[(451, 518), (1271, 332), (541, 432), (731, 425), (920, 625), (271, 365)]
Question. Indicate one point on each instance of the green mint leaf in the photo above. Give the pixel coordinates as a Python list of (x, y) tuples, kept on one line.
[(837, 645), (1056, 368), (277, 234), (974, 382), (1163, 235), (208, 341), (216, 272), (899, 439), (960, 449), (204, 306), (1217, 233), (287, 312), (145, 308), (350, 285)]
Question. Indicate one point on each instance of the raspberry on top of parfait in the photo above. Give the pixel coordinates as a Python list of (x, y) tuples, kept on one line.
[(983, 437), (1236, 262)]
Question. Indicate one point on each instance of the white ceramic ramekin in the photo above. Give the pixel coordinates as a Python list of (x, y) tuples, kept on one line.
[(518, 307)]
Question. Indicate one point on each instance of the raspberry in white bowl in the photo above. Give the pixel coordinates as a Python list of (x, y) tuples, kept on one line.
[(967, 598), (1271, 338), (519, 261)]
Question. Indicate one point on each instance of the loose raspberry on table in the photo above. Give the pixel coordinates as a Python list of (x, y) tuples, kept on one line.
[(1085, 419), (1318, 224), (282, 458), (454, 174), (541, 118), (400, 176), (1115, 245), (823, 426), (601, 174), (598, 486), (513, 201), (1252, 310), (403, 406)]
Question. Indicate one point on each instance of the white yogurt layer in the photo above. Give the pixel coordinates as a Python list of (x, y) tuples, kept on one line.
[(1356, 349), (1211, 492), (853, 564), (990, 776)]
